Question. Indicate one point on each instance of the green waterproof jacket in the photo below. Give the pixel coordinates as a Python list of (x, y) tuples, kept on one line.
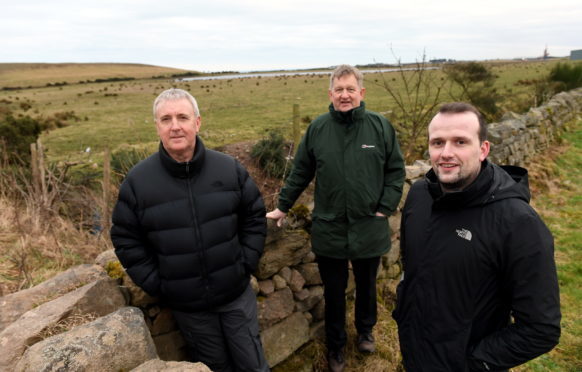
[(359, 170)]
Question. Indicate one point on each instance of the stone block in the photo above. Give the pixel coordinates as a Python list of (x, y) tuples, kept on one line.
[(318, 310), (310, 272), (285, 273), (163, 322), (284, 338), (297, 281), (81, 305), (171, 346), (275, 308), (266, 287), (301, 295), (15, 304), (279, 282), (309, 257), (289, 250), (118, 341), (255, 285), (314, 296), (157, 365)]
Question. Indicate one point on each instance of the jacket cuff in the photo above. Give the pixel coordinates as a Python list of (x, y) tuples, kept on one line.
[(283, 208), (385, 211)]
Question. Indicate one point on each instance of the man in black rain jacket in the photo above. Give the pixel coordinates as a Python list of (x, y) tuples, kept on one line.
[(189, 226), (479, 290)]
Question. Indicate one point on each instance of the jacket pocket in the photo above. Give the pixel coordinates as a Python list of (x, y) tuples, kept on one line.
[(328, 217)]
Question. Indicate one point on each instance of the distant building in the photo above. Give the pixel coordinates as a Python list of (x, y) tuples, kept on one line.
[(576, 55), (442, 60)]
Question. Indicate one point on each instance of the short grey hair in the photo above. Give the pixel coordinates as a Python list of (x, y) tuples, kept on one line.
[(174, 94), (343, 70)]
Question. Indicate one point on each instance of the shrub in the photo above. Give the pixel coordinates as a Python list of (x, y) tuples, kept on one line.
[(16, 135), (475, 81), (568, 75), (269, 152), (126, 157)]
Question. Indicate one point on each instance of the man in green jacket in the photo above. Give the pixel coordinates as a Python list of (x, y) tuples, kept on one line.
[(359, 170)]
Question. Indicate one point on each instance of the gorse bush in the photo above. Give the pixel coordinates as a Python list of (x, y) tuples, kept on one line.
[(270, 154), (16, 135), (125, 158), (568, 75)]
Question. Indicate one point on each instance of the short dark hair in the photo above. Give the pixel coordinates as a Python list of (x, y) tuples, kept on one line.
[(460, 107)]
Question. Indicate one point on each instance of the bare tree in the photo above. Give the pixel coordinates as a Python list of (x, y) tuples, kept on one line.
[(415, 91)]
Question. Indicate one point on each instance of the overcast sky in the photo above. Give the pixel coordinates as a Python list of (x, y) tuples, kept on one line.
[(243, 35)]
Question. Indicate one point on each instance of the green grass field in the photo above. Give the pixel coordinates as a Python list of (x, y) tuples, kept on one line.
[(559, 202), (116, 113)]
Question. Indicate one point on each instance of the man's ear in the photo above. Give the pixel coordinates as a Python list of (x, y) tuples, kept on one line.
[(485, 147), (198, 123)]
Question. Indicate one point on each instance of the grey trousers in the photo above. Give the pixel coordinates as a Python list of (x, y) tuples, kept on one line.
[(227, 338)]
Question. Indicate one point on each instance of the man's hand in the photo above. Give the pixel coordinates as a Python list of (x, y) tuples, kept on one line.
[(277, 215), (380, 214)]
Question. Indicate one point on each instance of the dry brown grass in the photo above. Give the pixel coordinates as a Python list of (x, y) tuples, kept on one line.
[(34, 249), (67, 324), (36, 241)]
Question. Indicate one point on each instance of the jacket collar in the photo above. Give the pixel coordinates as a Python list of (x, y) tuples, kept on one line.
[(185, 169), (475, 193), (348, 117), (494, 183)]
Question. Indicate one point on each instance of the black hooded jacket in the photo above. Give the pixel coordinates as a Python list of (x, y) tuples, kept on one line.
[(189, 232), (479, 290)]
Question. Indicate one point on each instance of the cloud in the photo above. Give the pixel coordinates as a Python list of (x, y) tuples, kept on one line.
[(258, 34)]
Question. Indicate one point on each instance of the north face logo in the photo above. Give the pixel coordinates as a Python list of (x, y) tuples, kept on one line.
[(364, 146), (465, 234)]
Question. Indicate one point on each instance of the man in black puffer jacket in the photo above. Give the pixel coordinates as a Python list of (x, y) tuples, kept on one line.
[(189, 227), (479, 290)]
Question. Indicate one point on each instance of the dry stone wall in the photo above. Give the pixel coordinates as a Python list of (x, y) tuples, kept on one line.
[(83, 318), (516, 138)]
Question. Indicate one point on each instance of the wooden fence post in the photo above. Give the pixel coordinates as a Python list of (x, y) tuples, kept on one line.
[(296, 131), (42, 175), (34, 168)]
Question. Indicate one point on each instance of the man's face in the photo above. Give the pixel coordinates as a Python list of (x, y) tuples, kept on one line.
[(346, 94), (177, 126), (455, 150)]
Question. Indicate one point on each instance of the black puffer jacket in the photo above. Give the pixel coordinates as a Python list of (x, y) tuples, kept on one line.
[(473, 260), (191, 232)]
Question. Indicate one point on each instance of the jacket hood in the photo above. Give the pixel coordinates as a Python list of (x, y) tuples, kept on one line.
[(185, 169), (494, 183), (348, 117)]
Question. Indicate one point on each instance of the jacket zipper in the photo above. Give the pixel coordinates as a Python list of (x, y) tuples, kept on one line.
[(197, 231)]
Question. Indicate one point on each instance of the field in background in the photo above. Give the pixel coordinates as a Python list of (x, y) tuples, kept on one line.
[(41, 74), (115, 113)]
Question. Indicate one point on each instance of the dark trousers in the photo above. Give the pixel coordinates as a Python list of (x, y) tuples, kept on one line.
[(334, 274), (227, 338)]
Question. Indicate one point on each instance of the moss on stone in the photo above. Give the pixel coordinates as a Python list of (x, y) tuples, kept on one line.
[(114, 269)]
